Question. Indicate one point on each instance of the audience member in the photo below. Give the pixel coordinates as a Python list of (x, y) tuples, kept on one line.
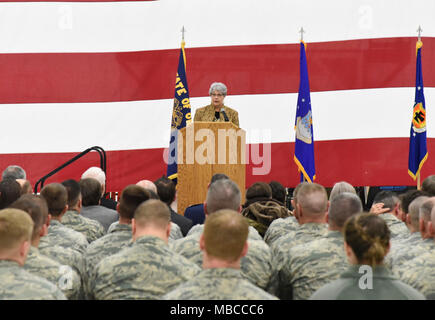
[(91, 208), (166, 191), (311, 206), (389, 202), (310, 266), (26, 187), (256, 265), (91, 229), (280, 227), (14, 172), (196, 212), (98, 174), (120, 236), (64, 277), (420, 271), (278, 192), (148, 269), (261, 209), (10, 190), (15, 283), (223, 243), (57, 197), (367, 240), (428, 185), (341, 187)]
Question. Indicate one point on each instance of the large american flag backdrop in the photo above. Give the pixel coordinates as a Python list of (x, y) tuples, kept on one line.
[(78, 74)]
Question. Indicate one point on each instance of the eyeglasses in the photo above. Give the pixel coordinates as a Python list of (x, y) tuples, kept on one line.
[(217, 95)]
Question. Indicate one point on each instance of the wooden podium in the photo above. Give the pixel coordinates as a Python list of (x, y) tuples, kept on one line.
[(204, 149)]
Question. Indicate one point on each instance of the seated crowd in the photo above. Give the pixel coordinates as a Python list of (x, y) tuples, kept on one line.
[(69, 242)]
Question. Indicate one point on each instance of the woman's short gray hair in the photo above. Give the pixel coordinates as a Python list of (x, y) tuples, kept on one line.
[(218, 86)]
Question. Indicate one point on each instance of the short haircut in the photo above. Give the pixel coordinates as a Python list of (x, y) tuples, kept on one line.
[(37, 209), (16, 226), (407, 197), (341, 187), (278, 191), (225, 234), (91, 192), (414, 210), (388, 198), (426, 209), (342, 207), (10, 190), (428, 185), (96, 173), (165, 189), (218, 176), (131, 197), (218, 86), (56, 196), (153, 213), (223, 194), (297, 188), (14, 172), (74, 192), (259, 190), (368, 236), (312, 197)]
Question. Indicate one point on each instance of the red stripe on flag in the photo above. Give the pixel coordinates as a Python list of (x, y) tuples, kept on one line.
[(254, 69), (361, 162)]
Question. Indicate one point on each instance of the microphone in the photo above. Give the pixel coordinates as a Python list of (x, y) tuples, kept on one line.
[(225, 115)]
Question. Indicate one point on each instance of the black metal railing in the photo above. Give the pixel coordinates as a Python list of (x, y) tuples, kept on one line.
[(100, 151)]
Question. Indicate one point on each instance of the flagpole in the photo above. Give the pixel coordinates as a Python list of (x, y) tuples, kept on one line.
[(419, 30)]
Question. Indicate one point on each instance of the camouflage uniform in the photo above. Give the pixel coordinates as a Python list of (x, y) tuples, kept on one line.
[(65, 256), (397, 227), (310, 266), (175, 232), (280, 227), (67, 280), (18, 284), (405, 250), (303, 234), (91, 229), (65, 237), (255, 266), (420, 274), (384, 286), (117, 239), (199, 228), (146, 270), (218, 284)]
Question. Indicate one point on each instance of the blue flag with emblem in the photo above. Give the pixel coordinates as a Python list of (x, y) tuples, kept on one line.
[(304, 141), (181, 114), (417, 141)]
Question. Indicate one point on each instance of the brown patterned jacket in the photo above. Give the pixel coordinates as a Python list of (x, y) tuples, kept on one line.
[(207, 113)]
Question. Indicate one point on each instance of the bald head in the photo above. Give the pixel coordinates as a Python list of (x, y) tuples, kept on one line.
[(223, 194), (147, 184)]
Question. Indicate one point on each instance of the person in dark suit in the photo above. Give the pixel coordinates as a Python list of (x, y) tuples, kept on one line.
[(195, 212), (98, 174), (166, 193), (213, 112)]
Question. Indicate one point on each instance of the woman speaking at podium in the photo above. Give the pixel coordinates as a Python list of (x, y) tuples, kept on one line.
[(217, 111)]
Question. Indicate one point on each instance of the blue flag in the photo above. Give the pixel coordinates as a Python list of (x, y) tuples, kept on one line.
[(181, 114), (417, 141), (304, 141)]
